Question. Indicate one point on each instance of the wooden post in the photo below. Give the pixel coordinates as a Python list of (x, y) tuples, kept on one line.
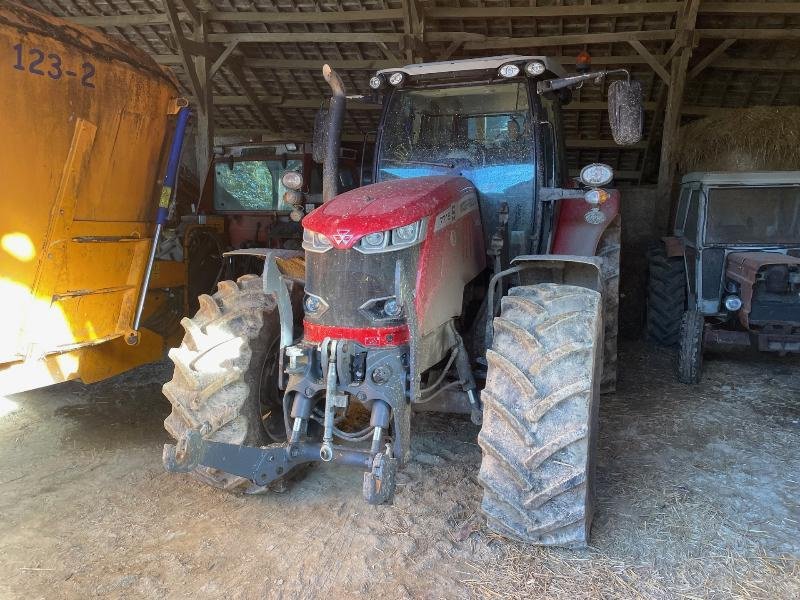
[(204, 125), (672, 118)]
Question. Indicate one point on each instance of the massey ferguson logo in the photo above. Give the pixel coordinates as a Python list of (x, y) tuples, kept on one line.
[(342, 237)]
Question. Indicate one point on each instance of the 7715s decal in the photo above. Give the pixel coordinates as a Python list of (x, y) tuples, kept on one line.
[(40, 62)]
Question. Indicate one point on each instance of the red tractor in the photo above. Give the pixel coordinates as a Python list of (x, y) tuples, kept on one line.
[(472, 277)]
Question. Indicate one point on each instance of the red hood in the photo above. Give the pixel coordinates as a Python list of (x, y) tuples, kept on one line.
[(383, 206)]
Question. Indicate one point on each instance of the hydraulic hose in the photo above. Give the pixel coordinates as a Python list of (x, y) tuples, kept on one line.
[(330, 166), (167, 188)]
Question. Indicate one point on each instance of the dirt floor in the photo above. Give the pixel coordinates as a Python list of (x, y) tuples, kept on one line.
[(698, 498)]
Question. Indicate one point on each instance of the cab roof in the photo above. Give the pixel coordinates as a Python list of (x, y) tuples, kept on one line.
[(474, 64), (755, 178)]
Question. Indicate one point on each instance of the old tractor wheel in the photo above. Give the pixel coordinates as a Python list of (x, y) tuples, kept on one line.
[(666, 296), (226, 374), (690, 351), (608, 249), (540, 414)]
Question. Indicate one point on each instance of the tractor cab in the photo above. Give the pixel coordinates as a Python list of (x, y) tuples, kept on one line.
[(263, 191), (483, 120)]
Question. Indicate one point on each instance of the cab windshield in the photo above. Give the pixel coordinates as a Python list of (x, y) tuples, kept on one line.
[(251, 185), (441, 129), (482, 132), (753, 215)]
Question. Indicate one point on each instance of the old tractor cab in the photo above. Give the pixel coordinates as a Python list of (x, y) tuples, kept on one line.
[(730, 273), (472, 277)]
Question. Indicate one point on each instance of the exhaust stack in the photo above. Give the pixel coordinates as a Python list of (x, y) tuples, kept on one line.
[(330, 167)]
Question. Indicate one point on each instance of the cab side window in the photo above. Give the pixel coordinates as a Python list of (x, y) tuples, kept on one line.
[(692, 216)]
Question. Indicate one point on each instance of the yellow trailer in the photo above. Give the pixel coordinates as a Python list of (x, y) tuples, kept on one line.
[(85, 125)]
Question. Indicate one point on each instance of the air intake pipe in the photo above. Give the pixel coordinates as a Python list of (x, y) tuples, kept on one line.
[(330, 166)]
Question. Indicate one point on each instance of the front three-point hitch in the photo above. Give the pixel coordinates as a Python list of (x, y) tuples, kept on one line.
[(322, 382)]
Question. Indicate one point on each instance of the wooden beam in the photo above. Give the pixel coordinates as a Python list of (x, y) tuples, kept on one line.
[(750, 34), (270, 135), (650, 59), (183, 50), (710, 58), (580, 10), (221, 59), (263, 113), (750, 8), (672, 115), (474, 41), (305, 37), (374, 65), (124, 20), (204, 115), (745, 64), (310, 17), (450, 50), (316, 65), (310, 103), (194, 14)]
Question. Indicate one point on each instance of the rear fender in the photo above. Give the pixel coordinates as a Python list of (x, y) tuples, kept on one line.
[(577, 230)]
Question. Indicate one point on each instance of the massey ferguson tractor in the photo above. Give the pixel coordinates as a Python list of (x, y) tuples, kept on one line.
[(472, 277)]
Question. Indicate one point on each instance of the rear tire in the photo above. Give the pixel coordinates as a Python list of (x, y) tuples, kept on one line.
[(609, 250), (540, 414), (690, 351), (223, 374), (666, 296)]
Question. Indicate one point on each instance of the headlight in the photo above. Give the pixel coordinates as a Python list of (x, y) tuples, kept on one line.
[(292, 180), (397, 78), (508, 71), (292, 197), (733, 303), (596, 175), (405, 235), (373, 241), (394, 239), (376, 82), (534, 68), (315, 242)]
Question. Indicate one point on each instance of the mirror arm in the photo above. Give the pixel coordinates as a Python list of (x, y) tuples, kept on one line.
[(550, 85)]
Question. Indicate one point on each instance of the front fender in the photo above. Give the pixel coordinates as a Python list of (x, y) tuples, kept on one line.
[(280, 266), (584, 271)]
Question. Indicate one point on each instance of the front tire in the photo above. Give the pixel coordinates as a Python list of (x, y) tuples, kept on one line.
[(223, 372), (540, 414), (690, 351)]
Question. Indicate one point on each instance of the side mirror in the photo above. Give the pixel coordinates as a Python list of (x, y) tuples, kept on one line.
[(320, 139), (626, 111)]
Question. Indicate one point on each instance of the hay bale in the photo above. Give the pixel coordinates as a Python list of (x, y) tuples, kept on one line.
[(761, 138)]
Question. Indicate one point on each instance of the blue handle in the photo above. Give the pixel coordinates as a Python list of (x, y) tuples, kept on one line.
[(172, 166)]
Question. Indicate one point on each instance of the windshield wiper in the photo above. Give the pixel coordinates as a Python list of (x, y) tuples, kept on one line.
[(426, 163)]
